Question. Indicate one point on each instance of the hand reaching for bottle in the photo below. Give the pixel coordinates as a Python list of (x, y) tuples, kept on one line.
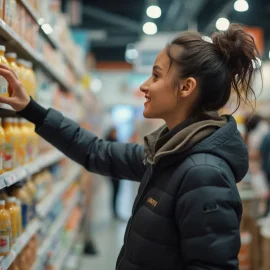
[(18, 97)]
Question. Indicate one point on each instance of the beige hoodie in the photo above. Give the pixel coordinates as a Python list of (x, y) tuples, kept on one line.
[(182, 141)]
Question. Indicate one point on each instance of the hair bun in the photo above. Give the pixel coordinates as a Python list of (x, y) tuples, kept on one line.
[(235, 46)]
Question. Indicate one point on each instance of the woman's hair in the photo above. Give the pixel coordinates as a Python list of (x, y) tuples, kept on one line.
[(220, 65)]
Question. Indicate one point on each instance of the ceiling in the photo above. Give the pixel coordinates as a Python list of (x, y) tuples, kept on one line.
[(114, 24)]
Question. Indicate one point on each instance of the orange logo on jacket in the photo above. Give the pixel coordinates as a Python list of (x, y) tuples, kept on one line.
[(152, 201)]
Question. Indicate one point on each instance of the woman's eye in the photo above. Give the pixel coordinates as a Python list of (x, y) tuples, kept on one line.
[(155, 76)]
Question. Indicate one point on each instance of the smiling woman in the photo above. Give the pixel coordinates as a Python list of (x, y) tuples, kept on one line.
[(188, 211)]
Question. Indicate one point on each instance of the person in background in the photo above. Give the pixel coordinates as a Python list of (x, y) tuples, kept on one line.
[(112, 137), (187, 212)]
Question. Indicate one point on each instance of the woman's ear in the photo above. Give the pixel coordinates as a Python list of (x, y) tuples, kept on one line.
[(187, 87)]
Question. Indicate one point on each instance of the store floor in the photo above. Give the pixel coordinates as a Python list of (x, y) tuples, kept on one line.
[(108, 242), (106, 233)]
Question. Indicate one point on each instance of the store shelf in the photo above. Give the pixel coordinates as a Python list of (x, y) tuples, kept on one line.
[(77, 71), (9, 34), (44, 207), (45, 160), (56, 227), (22, 241)]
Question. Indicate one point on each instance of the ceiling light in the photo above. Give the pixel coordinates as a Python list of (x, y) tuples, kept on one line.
[(241, 5), (150, 28), (153, 12), (222, 24), (47, 28)]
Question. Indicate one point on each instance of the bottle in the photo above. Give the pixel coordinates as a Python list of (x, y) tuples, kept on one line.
[(19, 192), (18, 146), (31, 78), (31, 187), (23, 74), (10, 138), (5, 230), (25, 142), (14, 218), (11, 58), (3, 81), (2, 147), (19, 207)]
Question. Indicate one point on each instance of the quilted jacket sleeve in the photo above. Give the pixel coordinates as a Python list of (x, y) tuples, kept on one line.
[(118, 160), (208, 214)]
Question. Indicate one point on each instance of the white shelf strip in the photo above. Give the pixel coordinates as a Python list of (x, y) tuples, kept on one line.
[(57, 226), (44, 207), (9, 178), (19, 245)]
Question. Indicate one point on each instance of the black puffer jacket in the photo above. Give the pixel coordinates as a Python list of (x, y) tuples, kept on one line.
[(188, 210)]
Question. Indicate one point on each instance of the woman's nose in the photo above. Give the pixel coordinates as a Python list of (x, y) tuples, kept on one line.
[(144, 87)]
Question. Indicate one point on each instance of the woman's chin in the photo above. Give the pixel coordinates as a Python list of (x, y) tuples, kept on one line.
[(148, 114)]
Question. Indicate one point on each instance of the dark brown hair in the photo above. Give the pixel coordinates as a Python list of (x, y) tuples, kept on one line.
[(225, 64)]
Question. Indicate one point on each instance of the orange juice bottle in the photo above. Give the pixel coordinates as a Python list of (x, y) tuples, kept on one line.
[(23, 74), (24, 140), (10, 138), (14, 218), (18, 146), (19, 209), (2, 147), (3, 81), (11, 57), (5, 230), (33, 141), (1, 10), (31, 78)]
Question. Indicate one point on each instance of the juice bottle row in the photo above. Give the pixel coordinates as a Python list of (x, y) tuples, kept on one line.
[(17, 209), (22, 68), (18, 143)]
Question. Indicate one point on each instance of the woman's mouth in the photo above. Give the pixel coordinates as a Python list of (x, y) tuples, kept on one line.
[(147, 100)]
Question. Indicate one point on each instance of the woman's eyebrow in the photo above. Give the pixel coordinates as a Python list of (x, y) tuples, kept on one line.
[(156, 67)]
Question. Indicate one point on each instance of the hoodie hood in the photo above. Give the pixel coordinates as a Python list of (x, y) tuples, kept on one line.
[(218, 137)]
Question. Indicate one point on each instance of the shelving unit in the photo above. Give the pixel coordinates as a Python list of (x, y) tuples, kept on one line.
[(45, 160), (77, 70), (55, 228), (32, 229), (44, 207)]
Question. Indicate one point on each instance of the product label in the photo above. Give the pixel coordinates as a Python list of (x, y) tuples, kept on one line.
[(3, 89), (2, 153), (9, 157), (4, 243)]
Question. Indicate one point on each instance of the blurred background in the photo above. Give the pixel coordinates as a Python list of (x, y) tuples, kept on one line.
[(88, 58)]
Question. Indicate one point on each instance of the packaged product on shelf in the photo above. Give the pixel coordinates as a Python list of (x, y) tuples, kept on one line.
[(25, 141), (18, 146), (31, 189), (31, 78), (23, 75), (3, 81), (18, 191), (10, 142), (13, 212), (3, 195), (19, 207), (1, 9), (12, 57), (2, 147), (7, 11), (21, 13), (5, 230), (14, 266), (13, 15)]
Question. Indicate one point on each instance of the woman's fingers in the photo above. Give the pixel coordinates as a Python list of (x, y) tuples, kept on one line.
[(9, 69)]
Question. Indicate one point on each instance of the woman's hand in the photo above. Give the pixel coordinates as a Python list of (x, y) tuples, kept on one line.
[(18, 98)]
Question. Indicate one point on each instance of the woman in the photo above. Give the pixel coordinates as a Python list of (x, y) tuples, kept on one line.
[(187, 212)]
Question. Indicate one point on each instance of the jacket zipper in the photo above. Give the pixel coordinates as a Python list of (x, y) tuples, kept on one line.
[(129, 226)]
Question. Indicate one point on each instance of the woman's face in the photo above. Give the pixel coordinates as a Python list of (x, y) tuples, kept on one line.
[(159, 89)]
